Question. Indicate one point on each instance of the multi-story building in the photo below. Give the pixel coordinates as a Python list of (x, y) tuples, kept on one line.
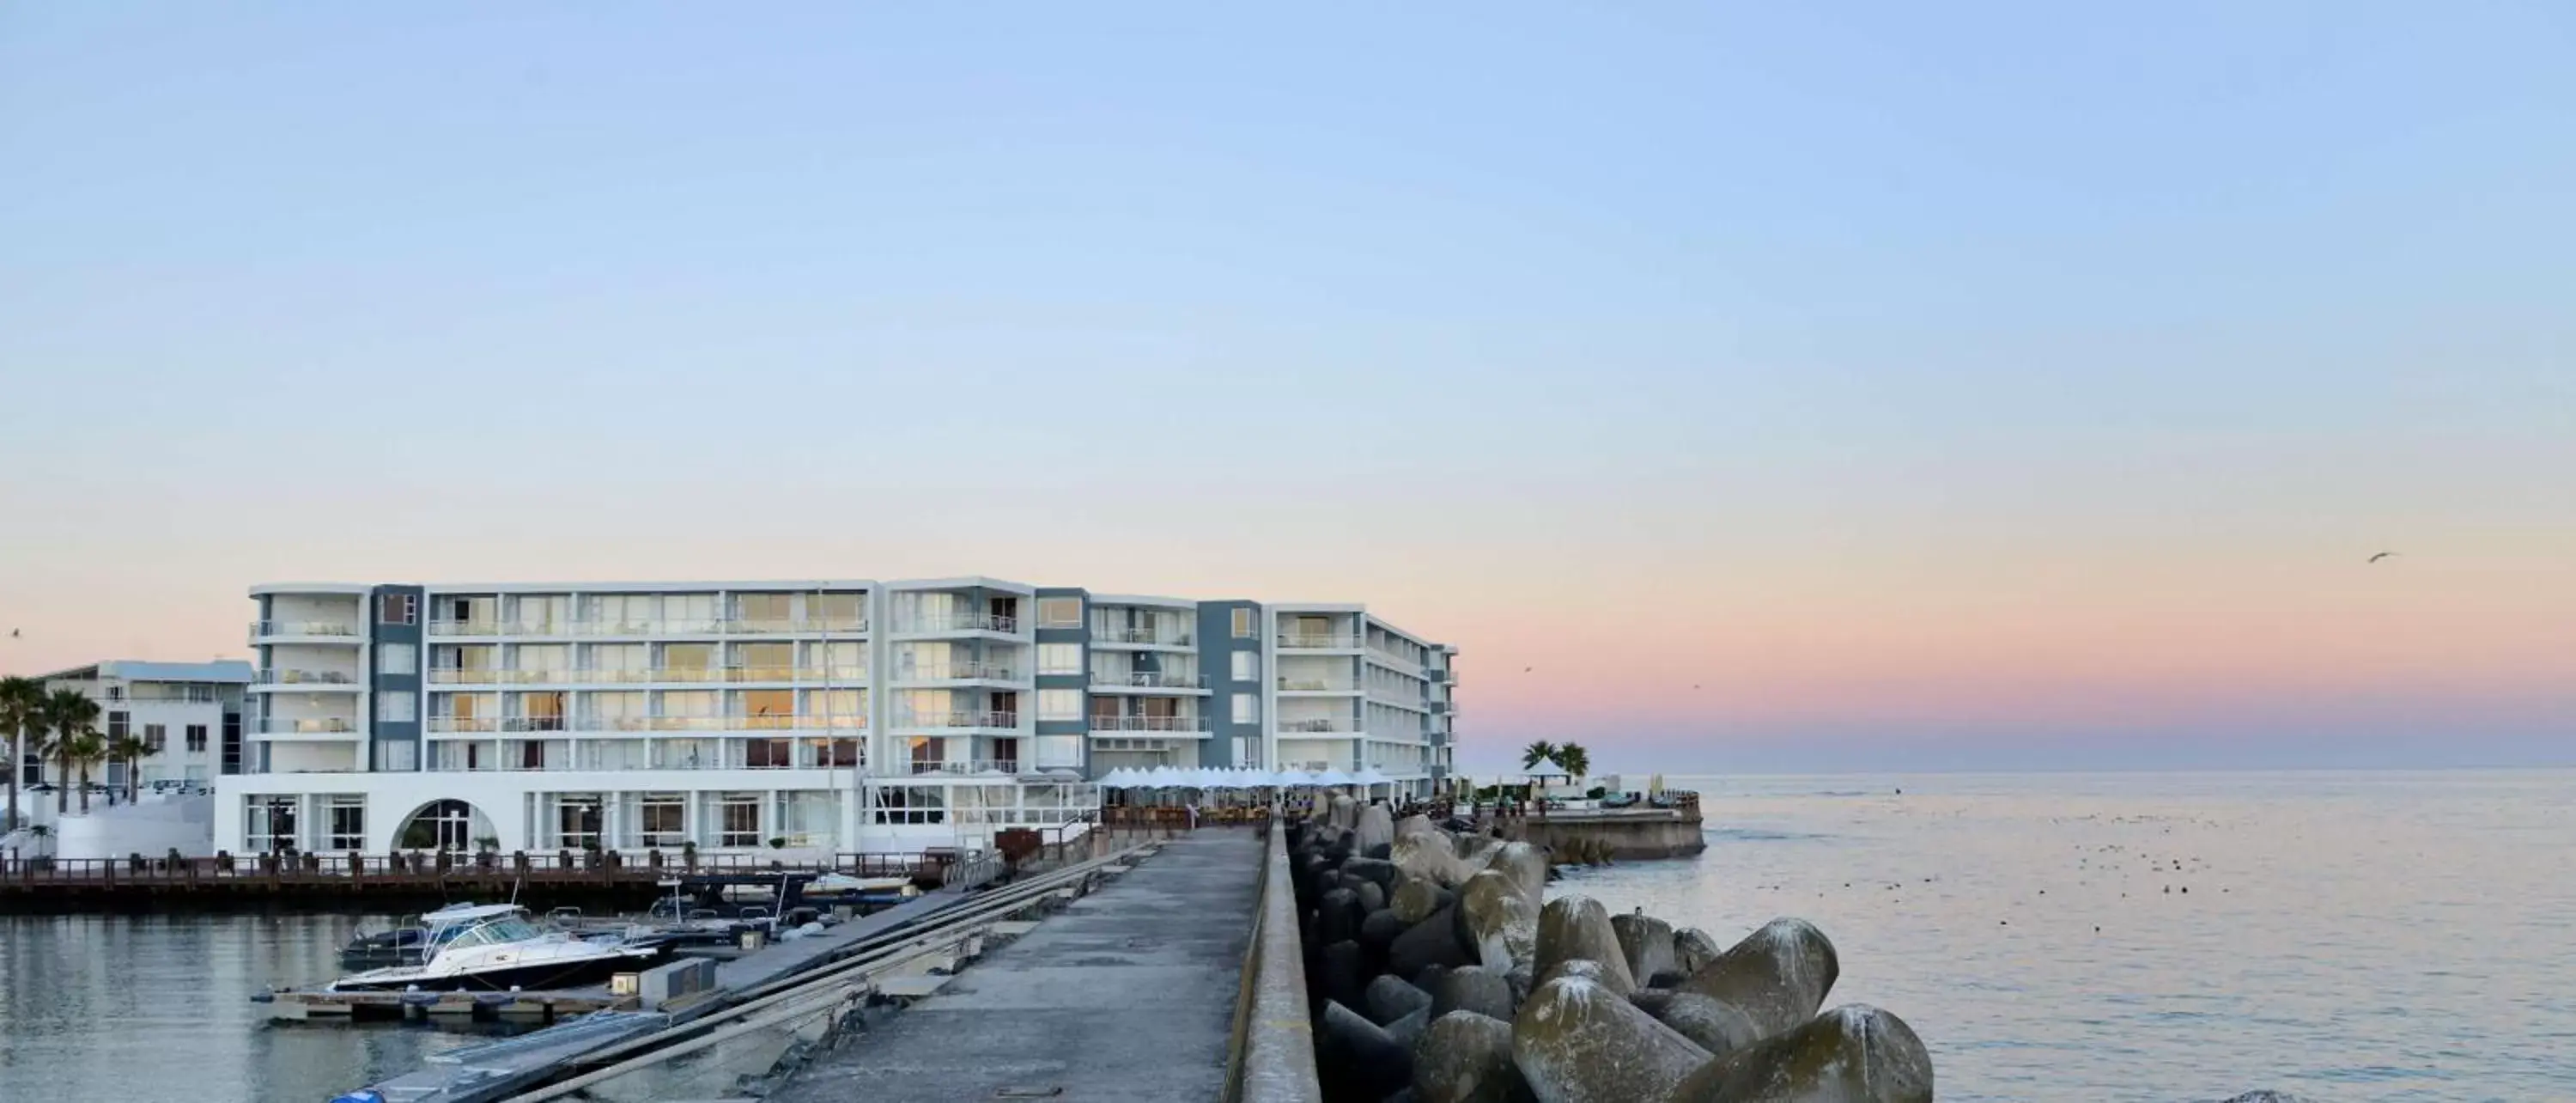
[(189, 715), (830, 714)]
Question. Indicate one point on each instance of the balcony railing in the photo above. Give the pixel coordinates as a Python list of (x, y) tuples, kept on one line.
[(310, 726), (1319, 640), (1314, 685), (474, 676), (1305, 727), (334, 628), (1148, 724), (962, 672), (1148, 679), (464, 723), (301, 678), (1140, 635), (964, 767), (669, 626), (966, 622), (755, 626), (962, 720)]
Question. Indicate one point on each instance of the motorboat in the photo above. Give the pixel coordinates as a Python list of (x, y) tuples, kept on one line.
[(497, 947)]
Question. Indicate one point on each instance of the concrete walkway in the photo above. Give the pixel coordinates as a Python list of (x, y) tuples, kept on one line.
[(1128, 995)]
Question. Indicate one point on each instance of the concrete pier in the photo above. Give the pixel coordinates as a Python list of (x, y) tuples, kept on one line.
[(1128, 994)]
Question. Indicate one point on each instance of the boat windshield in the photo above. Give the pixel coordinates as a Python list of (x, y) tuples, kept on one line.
[(497, 931)]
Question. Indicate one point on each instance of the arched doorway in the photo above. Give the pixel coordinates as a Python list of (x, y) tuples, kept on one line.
[(446, 825)]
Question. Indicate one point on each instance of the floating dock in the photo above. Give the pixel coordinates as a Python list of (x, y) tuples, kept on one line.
[(302, 1005)]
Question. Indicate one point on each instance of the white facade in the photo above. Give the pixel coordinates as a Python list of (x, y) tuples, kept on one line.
[(180, 710), (810, 716)]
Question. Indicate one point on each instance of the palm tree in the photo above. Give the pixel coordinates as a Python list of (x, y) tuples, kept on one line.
[(129, 749), (86, 750), (22, 704), (1576, 760), (68, 713), (1535, 753)]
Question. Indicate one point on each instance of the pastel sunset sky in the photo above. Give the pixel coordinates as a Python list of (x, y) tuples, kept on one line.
[(1862, 386)]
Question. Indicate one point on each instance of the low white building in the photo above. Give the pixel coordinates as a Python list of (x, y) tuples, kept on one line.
[(189, 715), (813, 716)]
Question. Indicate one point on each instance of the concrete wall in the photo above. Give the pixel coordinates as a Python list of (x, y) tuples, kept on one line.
[(1631, 837), (150, 828)]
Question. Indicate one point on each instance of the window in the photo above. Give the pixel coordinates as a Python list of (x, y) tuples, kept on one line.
[(1059, 612), (398, 754), (347, 822), (1060, 704), (396, 706), (399, 609), (663, 815), (119, 724), (1243, 624), (835, 612), (835, 754), (764, 610), (740, 817), (270, 824), (1247, 666), (766, 754), (577, 821), (1247, 708), (1059, 658), (196, 737), (397, 658), (156, 738)]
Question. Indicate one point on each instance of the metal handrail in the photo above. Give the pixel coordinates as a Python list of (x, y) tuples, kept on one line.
[(1149, 724), (260, 628), (1148, 679)]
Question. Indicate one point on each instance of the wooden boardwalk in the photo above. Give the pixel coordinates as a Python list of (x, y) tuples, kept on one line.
[(390, 879)]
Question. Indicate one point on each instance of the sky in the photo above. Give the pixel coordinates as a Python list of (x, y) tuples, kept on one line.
[(1858, 386)]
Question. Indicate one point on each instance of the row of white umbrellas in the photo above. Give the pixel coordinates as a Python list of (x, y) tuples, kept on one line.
[(1165, 777)]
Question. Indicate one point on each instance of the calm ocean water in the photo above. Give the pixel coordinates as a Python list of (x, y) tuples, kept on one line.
[(2354, 937), (2351, 937)]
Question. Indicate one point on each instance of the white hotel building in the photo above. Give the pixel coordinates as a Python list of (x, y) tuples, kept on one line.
[(827, 715)]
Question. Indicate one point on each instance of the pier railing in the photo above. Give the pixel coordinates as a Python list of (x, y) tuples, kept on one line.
[(562, 866)]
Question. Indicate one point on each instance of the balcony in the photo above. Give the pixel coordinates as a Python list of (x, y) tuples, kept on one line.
[(306, 679), (965, 672), (1142, 637), (324, 725), (328, 631), (1314, 685), (1147, 679), (1105, 725), (1318, 641), (463, 724), (965, 767), (966, 622), (964, 719), (1318, 727), (804, 626), (642, 675)]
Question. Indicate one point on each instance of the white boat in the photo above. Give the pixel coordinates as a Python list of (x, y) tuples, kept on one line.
[(495, 947)]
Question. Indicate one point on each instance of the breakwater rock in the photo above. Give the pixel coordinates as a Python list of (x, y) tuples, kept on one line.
[(1440, 971)]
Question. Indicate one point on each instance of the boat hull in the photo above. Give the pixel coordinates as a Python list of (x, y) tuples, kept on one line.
[(529, 976)]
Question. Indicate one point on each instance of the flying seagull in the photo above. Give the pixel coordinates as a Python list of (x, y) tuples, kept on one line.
[(2380, 556)]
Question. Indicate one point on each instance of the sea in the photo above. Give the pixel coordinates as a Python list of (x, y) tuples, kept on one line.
[(2158, 938), (2169, 938)]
